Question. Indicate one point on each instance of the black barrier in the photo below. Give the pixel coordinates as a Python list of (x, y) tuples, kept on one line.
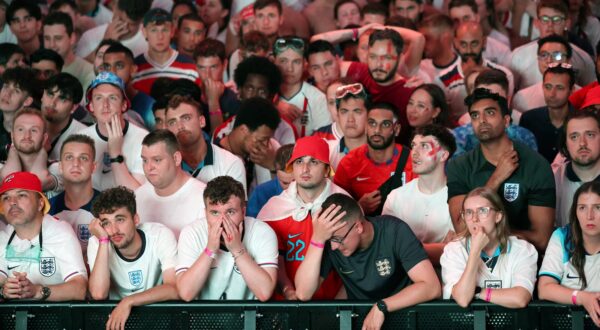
[(249, 315)]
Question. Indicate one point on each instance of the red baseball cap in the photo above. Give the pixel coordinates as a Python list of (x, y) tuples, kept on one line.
[(24, 181), (312, 146), (592, 97)]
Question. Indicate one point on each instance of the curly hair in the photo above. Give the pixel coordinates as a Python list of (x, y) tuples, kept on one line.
[(112, 199)]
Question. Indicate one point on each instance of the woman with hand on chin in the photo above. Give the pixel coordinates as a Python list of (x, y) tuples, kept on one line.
[(570, 270), (485, 262)]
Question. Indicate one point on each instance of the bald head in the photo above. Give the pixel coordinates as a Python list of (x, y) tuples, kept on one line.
[(469, 41)]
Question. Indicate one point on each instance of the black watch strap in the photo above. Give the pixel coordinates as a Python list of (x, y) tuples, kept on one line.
[(381, 305), (118, 159)]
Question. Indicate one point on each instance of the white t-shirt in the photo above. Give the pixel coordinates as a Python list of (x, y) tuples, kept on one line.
[(73, 127), (500, 37), (60, 259), (225, 282), (431, 69), (557, 264), (176, 211), (90, 40), (337, 151), (82, 70), (103, 16), (317, 114), (103, 177), (524, 65), (427, 215), (516, 267), (497, 52), (129, 276)]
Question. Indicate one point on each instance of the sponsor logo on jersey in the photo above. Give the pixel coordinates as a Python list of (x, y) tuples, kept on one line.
[(47, 266), (511, 191), (384, 267), (571, 277), (493, 284), (136, 277), (83, 233), (106, 163), (358, 178), (13, 267), (290, 236), (346, 272)]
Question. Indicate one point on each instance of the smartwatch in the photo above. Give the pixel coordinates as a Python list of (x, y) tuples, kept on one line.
[(118, 159), (45, 293), (382, 307)]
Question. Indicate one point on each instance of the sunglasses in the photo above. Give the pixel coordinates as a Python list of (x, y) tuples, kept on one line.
[(282, 44), (354, 89)]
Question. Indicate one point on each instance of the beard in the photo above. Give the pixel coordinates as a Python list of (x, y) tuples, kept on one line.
[(389, 76), (384, 144), (28, 149), (475, 57)]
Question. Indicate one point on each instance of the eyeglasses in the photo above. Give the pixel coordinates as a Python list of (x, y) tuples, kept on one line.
[(554, 56), (482, 212), (339, 240), (560, 64), (354, 89), (554, 20), (282, 44)]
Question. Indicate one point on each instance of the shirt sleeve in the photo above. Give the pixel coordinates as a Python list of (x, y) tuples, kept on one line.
[(326, 263), (388, 206), (92, 251), (543, 189), (238, 171), (166, 248), (70, 264), (554, 257), (320, 113), (189, 248), (456, 178), (266, 253), (525, 267), (453, 262), (341, 177), (409, 250)]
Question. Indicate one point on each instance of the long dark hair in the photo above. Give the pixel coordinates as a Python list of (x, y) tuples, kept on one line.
[(575, 236)]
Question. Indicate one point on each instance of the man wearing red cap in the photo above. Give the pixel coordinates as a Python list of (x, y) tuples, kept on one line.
[(40, 258), (118, 144), (290, 214)]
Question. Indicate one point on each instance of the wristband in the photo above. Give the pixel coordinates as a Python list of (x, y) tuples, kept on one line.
[(317, 244), (216, 112), (210, 253), (574, 297), (488, 294), (354, 34), (103, 240)]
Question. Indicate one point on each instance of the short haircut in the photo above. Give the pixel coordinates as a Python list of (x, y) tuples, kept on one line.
[(492, 76), (162, 135), (57, 4), (384, 106), (134, 9), (182, 86), (581, 114), (68, 86), (283, 155), (177, 99), (401, 21), (114, 198), (558, 5), (220, 189), (209, 48), (60, 18), (254, 41), (348, 205), (320, 46), (339, 3), (459, 3), (44, 54), (259, 66), (256, 112), (25, 79), (161, 104), (440, 22), (30, 111), (7, 50), (161, 87), (119, 48), (387, 34), (558, 69), (79, 138), (485, 94), (32, 8), (190, 17), (438, 100), (553, 38), (440, 133), (185, 3), (105, 42), (260, 4), (374, 8)]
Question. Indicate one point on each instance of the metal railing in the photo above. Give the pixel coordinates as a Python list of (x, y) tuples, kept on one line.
[(249, 315)]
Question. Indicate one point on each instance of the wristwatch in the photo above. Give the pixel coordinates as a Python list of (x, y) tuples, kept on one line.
[(382, 307), (477, 292), (118, 159), (45, 293)]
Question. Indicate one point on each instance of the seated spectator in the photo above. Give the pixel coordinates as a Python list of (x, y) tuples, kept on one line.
[(377, 258), (215, 260), (422, 203), (28, 270), (486, 263), (427, 105), (131, 262), (571, 260), (263, 192)]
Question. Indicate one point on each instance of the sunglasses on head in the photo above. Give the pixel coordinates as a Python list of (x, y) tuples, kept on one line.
[(354, 89), (282, 44)]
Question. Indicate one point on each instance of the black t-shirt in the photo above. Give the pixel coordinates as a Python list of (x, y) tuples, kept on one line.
[(381, 270), (5, 140)]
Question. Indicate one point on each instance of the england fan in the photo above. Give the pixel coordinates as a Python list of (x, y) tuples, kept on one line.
[(129, 261), (228, 255)]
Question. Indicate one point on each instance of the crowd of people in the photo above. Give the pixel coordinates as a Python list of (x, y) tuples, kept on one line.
[(395, 151)]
